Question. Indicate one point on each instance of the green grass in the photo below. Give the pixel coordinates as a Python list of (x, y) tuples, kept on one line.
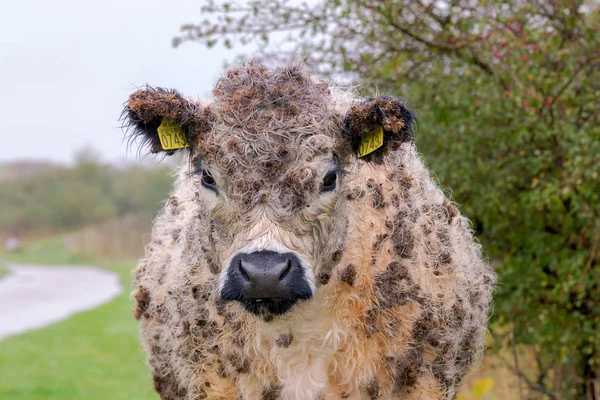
[(49, 252), (3, 271), (92, 355)]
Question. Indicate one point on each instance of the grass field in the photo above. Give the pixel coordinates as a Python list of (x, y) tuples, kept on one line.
[(3, 270), (93, 355)]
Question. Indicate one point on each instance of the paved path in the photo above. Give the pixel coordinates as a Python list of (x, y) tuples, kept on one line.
[(33, 296)]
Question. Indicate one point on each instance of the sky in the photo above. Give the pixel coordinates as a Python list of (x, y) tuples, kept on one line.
[(67, 67)]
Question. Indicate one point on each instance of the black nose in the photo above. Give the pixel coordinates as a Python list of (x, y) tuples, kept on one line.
[(266, 281), (265, 274)]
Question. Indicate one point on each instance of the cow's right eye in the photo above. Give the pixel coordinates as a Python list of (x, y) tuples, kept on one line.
[(208, 181), (329, 182)]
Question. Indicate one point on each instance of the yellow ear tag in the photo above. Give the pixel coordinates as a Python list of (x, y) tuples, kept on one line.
[(370, 142), (171, 136)]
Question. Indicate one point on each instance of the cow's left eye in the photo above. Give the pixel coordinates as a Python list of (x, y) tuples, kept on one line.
[(208, 181), (329, 182)]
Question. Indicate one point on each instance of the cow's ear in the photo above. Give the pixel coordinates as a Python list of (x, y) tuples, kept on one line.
[(162, 120), (378, 125)]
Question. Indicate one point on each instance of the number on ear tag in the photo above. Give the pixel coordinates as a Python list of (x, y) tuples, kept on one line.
[(171, 135), (371, 142)]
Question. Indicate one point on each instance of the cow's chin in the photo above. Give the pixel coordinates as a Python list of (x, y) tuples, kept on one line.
[(270, 308)]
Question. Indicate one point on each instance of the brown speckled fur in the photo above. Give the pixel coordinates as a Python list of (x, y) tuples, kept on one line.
[(402, 295)]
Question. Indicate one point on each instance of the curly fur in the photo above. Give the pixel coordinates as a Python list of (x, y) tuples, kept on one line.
[(392, 114), (402, 295)]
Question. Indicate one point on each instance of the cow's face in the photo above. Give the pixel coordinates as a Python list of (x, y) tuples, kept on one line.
[(274, 227), (268, 159)]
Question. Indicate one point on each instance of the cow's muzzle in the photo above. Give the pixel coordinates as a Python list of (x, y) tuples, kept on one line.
[(266, 282)]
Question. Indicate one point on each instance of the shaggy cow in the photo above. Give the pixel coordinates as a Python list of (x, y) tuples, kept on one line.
[(306, 252)]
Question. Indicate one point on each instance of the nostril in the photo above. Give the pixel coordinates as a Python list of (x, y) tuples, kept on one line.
[(243, 272), (286, 270)]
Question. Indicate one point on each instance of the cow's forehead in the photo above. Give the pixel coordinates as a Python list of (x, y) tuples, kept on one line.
[(270, 121), (253, 96)]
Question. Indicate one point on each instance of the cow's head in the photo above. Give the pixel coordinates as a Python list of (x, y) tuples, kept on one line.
[(269, 156)]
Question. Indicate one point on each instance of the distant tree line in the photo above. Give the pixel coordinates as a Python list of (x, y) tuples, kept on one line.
[(62, 198)]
